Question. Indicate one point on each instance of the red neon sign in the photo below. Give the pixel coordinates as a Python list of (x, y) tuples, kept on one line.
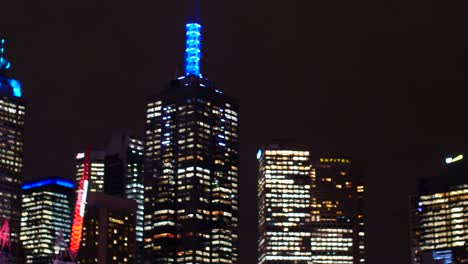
[(5, 236), (82, 192)]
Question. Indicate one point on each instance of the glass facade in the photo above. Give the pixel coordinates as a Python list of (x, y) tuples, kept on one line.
[(284, 197), (46, 217), (439, 218), (191, 174)]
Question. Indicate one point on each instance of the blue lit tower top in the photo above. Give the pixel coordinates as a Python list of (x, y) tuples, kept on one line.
[(7, 85), (48, 181), (4, 63), (193, 49)]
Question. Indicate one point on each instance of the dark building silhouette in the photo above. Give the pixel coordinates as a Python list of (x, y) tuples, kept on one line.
[(108, 230), (12, 116), (123, 176), (192, 169)]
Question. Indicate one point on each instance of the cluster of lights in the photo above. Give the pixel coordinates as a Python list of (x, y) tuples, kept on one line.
[(284, 193), (45, 216), (335, 160), (443, 255), (96, 169), (442, 216)]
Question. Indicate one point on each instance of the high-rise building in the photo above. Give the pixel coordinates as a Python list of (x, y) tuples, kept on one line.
[(284, 197), (192, 168), (12, 115), (108, 230), (337, 212), (439, 216), (96, 169), (124, 176), (46, 216), (309, 212)]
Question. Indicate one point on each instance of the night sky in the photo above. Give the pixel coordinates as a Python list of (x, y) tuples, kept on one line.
[(382, 81)]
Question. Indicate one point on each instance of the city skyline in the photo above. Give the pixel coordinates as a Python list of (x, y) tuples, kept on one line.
[(383, 110)]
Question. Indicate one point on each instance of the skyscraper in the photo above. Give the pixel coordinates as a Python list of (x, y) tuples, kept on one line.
[(439, 216), (309, 212), (96, 169), (108, 230), (124, 176), (284, 197), (337, 212), (192, 168), (46, 216), (12, 115)]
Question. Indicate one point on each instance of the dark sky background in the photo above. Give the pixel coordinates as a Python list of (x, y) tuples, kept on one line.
[(381, 80)]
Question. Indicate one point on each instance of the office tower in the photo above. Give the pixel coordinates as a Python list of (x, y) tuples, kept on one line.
[(124, 176), (46, 216), (12, 114), (439, 216), (192, 168), (96, 169), (284, 183), (108, 230), (337, 212)]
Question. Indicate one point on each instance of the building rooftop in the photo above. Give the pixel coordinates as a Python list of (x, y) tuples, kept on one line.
[(54, 180)]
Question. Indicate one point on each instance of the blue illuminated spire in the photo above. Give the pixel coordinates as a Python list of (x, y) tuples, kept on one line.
[(4, 63), (193, 49), (13, 85)]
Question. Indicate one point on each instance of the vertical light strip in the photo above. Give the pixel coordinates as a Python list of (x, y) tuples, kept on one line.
[(77, 227), (192, 49)]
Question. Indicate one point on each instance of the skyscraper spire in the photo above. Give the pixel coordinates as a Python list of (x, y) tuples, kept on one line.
[(193, 40), (4, 63), (192, 49), (7, 84)]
